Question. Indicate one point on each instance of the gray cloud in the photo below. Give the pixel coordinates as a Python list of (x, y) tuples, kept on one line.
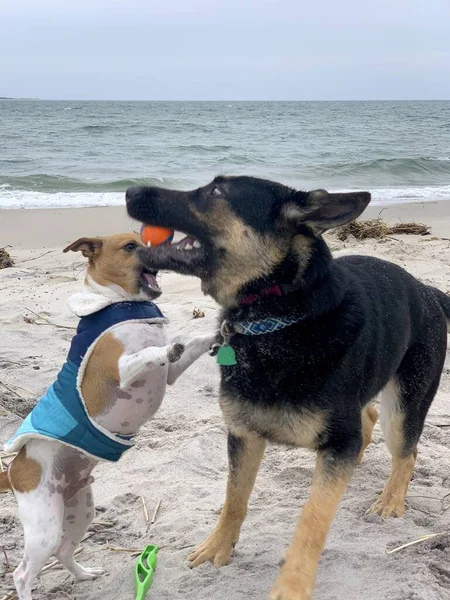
[(206, 49)]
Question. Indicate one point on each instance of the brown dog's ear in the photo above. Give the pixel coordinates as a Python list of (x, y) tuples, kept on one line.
[(322, 211), (87, 246)]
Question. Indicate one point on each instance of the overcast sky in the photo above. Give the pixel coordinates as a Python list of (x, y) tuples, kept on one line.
[(225, 49)]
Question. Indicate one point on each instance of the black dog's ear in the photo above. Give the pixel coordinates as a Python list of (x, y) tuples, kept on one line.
[(321, 210), (87, 246)]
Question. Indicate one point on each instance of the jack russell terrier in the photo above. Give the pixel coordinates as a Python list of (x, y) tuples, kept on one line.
[(112, 382)]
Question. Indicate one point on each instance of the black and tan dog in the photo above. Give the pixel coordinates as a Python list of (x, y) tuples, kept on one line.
[(315, 340)]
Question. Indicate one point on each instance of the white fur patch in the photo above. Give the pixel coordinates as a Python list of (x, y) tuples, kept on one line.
[(94, 297), (391, 416)]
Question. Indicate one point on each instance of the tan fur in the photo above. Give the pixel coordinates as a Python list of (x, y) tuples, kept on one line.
[(369, 416), (277, 425), (4, 482), (302, 247), (24, 473), (219, 546), (101, 374), (391, 502), (109, 263), (298, 574), (249, 255)]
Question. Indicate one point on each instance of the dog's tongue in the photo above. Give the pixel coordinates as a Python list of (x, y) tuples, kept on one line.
[(151, 280)]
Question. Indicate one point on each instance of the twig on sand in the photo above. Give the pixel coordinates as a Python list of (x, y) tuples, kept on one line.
[(445, 508), (426, 512), (144, 509), (9, 597), (55, 563), (7, 565), (414, 542), (36, 257), (104, 523), (158, 504), (19, 387), (427, 497), (122, 549), (39, 316), (11, 390), (88, 535)]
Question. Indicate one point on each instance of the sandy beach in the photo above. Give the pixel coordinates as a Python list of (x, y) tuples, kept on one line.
[(180, 456)]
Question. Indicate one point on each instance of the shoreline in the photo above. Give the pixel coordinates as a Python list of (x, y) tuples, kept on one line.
[(50, 227)]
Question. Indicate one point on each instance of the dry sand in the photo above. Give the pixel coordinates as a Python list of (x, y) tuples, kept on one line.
[(180, 456)]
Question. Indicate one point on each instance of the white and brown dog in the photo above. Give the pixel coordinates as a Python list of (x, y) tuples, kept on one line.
[(113, 381)]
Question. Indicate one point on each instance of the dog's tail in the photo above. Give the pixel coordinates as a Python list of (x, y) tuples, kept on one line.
[(444, 301), (4, 482)]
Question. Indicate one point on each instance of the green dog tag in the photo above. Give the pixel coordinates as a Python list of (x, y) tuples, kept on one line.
[(226, 356)]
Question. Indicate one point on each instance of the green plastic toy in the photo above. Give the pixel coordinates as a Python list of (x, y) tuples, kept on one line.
[(144, 571)]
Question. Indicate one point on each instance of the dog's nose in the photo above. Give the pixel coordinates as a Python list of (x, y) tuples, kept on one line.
[(134, 193)]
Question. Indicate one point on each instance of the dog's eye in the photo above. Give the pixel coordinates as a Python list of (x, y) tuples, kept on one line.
[(131, 247), (216, 192)]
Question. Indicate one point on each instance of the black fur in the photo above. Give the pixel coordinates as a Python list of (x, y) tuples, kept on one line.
[(364, 320), (365, 323)]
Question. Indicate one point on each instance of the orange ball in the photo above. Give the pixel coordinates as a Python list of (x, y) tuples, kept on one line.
[(156, 235)]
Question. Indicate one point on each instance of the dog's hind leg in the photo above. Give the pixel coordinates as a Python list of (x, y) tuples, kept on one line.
[(391, 502), (404, 404), (244, 456), (78, 515), (369, 416), (41, 515)]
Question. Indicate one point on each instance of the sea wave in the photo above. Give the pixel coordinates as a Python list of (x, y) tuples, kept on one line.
[(384, 196), (421, 171), (57, 183), (24, 199), (19, 199)]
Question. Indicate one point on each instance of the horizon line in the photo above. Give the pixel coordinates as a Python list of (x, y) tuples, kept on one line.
[(225, 100)]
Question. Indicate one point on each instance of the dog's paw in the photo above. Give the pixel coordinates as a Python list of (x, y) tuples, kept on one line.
[(88, 573), (214, 349), (290, 588), (175, 352), (216, 549), (387, 507)]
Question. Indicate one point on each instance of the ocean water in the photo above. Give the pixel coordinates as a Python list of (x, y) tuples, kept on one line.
[(60, 154)]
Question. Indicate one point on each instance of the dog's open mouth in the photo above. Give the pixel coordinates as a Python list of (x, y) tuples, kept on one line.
[(188, 256), (187, 243), (149, 284)]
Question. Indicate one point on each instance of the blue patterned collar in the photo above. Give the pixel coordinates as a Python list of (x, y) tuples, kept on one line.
[(262, 326)]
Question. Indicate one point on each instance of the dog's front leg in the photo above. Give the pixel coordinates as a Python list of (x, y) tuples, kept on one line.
[(132, 367), (244, 456), (297, 576), (192, 351)]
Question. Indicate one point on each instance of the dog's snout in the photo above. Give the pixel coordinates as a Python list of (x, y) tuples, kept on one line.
[(140, 202), (135, 193)]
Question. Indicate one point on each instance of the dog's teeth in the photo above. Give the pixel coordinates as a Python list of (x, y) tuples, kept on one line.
[(197, 244), (178, 248), (188, 247), (149, 244)]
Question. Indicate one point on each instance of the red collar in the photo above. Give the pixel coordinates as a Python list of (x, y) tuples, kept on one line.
[(275, 290)]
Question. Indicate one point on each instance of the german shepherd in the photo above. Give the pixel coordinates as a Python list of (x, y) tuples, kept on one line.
[(315, 340)]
